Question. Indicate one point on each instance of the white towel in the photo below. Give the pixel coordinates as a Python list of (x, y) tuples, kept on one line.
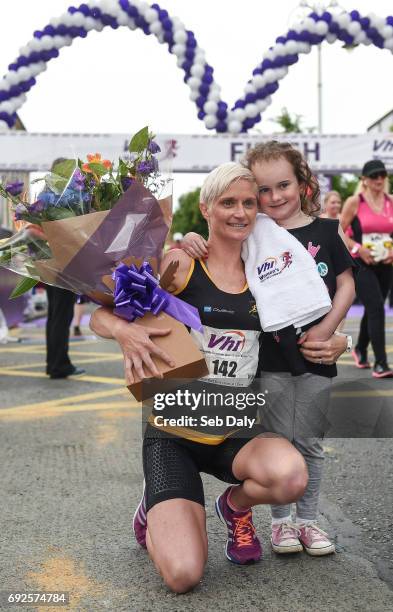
[(283, 277)]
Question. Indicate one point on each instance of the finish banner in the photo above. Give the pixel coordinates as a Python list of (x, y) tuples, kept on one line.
[(331, 154)]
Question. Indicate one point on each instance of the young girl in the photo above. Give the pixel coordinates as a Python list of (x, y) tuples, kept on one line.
[(289, 194)]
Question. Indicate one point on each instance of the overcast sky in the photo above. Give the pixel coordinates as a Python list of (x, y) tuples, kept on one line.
[(119, 80)]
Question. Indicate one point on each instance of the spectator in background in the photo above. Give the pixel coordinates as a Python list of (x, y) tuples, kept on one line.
[(60, 314), (332, 205), (370, 215)]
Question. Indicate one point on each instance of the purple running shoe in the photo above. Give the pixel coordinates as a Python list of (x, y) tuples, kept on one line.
[(242, 545), (139, 523)]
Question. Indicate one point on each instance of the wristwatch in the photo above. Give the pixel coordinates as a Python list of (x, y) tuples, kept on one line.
[(348, 348), (355, 248)]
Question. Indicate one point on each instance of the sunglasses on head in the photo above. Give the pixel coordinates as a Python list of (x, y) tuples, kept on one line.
[(377, 175)]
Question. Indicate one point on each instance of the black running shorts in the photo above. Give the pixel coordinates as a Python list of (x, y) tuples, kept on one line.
[(172, 465)]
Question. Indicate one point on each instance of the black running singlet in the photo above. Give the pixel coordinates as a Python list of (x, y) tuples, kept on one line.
[(231, 328)]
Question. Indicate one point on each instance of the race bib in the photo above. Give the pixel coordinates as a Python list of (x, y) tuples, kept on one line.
[(231, 355)]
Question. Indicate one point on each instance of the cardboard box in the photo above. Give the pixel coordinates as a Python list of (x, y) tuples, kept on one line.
[(190, 362)]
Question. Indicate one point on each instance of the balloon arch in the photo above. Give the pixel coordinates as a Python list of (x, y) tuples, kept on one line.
[(348, 27)]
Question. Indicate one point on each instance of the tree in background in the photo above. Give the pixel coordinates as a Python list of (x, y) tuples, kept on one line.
[(345, 185), (188, 217), (290, 124)]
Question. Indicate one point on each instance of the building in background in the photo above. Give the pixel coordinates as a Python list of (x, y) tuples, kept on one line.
[(384, 124), (8, 176)]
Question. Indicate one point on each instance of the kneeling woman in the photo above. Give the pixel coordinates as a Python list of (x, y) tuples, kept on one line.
[(261, 467)]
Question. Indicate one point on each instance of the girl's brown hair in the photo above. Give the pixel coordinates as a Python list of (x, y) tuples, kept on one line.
[(273, 149)]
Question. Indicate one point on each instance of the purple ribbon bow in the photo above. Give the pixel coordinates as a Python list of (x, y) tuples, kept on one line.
[(137, 292)]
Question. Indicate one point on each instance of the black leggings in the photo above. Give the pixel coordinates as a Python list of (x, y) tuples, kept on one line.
[(372, 287)]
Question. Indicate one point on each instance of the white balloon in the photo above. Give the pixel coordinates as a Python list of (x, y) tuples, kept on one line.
[(214, 95), (55, 21), (259, 81), (11, 77), (58, 42), (210, 121), (249, 88), (331, 38), (239, 114), (194, 95), (234, 126), (210, 107), (200, 56), (309, 25), (179, 50), (24, 50), (252, 110), (78, 19), (270, 75), (321, 28), (298, 26), (3, 126), (291, 47), (66, 19), (388, 44), (46, 43), (354, 28), (269, 54), (194, 83), (156, 28), (343, 20), (151, 15), (360, 38), (68, 40), (90, 24), (262, 104), (7, 107), (122, 20), (24, 74), (180, 36), (281, 72), (304, 47), (279, 49), (198, 70), (387, 31), (34, 44)]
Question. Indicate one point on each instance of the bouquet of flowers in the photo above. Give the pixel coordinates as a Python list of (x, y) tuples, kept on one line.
[(89, 217)]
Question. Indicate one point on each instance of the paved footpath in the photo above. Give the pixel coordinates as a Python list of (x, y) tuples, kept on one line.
[(71, 477)]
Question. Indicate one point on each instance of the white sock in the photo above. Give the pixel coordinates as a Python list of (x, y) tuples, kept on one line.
[(284, 519)]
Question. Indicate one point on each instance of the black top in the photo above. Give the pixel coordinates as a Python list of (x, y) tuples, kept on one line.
[(218, 308), (331, 259)]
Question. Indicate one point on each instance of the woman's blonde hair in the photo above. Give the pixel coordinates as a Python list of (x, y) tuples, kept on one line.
[(219, 179), (330, 194)]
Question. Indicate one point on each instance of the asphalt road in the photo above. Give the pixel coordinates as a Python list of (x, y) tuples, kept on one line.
[(71, 477)]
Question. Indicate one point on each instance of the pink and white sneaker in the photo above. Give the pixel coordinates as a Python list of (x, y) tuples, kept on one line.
[(139, 522), (285, 538), (314, 540)]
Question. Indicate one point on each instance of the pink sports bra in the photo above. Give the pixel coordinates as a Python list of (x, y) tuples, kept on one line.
[(372, 222)]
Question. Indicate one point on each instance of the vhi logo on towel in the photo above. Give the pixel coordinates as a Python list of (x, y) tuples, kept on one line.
[(274, 265)]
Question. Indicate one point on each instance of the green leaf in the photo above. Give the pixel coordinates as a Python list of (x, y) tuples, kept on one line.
[(65, 168), (98, 169), (6, 256), (24, 285), (123, 168), (57, 213), (139, 141)]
